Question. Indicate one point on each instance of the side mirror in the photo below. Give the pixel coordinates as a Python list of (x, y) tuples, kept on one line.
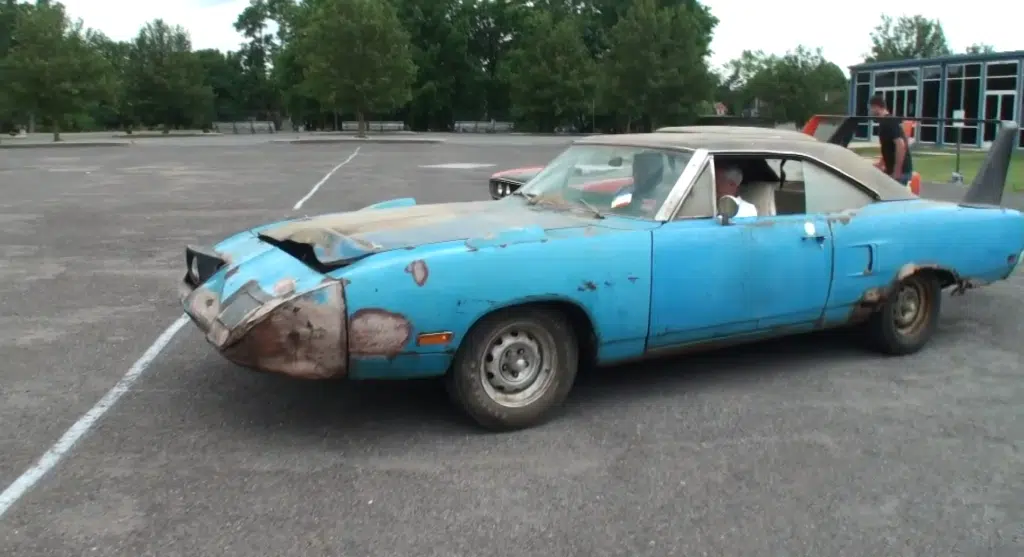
[(728, 206)]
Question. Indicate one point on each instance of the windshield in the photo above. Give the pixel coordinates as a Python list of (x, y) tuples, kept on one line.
[(609, 179)]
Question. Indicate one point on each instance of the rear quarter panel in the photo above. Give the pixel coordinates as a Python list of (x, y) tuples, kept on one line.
[(877, 245), (400, 294)]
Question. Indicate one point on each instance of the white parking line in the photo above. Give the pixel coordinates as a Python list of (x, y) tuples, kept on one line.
[(50, 458), (325, 178)]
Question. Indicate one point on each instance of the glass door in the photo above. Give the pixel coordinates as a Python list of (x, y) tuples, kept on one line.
[(999, 105)]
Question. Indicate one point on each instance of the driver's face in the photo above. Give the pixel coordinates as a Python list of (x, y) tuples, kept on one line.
[(724, 186)]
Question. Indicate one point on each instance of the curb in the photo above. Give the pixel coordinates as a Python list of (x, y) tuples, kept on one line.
[(161, 136), (65, 144), (352, 134), (334, 140)]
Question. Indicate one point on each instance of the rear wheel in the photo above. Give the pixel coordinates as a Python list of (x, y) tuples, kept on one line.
[(514, 368), (908, 318)]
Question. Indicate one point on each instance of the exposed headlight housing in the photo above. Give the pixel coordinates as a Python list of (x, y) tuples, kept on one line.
[(201, 265)]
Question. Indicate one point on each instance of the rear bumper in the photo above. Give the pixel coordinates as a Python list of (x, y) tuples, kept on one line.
[(302, 335)]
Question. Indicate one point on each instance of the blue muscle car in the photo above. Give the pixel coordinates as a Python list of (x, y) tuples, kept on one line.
[(657, 262)]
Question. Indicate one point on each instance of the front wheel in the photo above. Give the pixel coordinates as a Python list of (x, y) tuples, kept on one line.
[(908, 318), (514, 368)]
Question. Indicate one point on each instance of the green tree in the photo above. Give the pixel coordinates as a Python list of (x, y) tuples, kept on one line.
[(10, 11), (797, 85), (51, 68), (166, 79), (980, 48), (225, 76), (550, 73), (496, 28), (907, 37), (108, 113), (356, 56), (656, 66), (733, 80), (449, 84), (261, 97)]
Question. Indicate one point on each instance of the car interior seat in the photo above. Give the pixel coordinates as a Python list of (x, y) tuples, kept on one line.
[(760, 195)]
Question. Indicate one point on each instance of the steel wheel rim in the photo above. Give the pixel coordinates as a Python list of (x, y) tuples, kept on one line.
[(910, 312), (516, 367)]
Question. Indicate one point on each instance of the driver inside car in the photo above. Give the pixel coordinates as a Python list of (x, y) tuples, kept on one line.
[(727, 182)]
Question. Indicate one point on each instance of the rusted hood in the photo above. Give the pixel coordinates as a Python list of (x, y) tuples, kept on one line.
[(341, 236)]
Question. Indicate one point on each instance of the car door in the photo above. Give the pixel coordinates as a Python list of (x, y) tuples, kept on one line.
[(699, 282), (791, 255), (789, 261), (753, 275)]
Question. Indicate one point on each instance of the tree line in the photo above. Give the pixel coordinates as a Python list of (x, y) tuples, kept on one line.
[(608, 65)]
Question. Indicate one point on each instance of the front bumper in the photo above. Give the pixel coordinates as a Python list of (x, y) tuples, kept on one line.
[(302, 334)]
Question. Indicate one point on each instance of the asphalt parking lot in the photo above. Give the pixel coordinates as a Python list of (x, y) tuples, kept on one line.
[(799, 447)]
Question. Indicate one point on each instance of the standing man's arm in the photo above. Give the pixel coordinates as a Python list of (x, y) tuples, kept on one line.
[(900, 144), (884, 135)]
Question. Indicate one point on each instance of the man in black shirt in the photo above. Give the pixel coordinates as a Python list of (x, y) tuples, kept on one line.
[(895, 160)]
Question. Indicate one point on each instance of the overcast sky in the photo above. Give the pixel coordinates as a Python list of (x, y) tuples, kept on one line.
[(840, 28)]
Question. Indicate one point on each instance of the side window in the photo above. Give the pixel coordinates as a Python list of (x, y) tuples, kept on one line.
[(827, 192), (700, 202)]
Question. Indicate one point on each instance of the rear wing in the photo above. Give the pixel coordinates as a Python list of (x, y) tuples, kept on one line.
[(989, 183)]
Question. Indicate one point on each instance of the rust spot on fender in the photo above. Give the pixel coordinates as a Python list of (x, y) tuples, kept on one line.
[(868, 303), (419, 271), (377, 332), (302, 337), (587, 285), (632, 279), (874, 297), (911, 268)]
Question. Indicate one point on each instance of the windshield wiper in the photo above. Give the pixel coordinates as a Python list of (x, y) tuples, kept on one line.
[(585, 203)]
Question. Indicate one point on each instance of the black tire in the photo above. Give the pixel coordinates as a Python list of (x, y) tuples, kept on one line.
[(897, 330), (542, 340)]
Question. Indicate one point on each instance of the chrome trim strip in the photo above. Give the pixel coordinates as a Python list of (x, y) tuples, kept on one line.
[(682, 187)]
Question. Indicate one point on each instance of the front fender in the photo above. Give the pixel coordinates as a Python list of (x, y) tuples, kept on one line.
[(446, 288)]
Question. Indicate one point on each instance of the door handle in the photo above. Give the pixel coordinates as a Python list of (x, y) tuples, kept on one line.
[(811, 233)]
